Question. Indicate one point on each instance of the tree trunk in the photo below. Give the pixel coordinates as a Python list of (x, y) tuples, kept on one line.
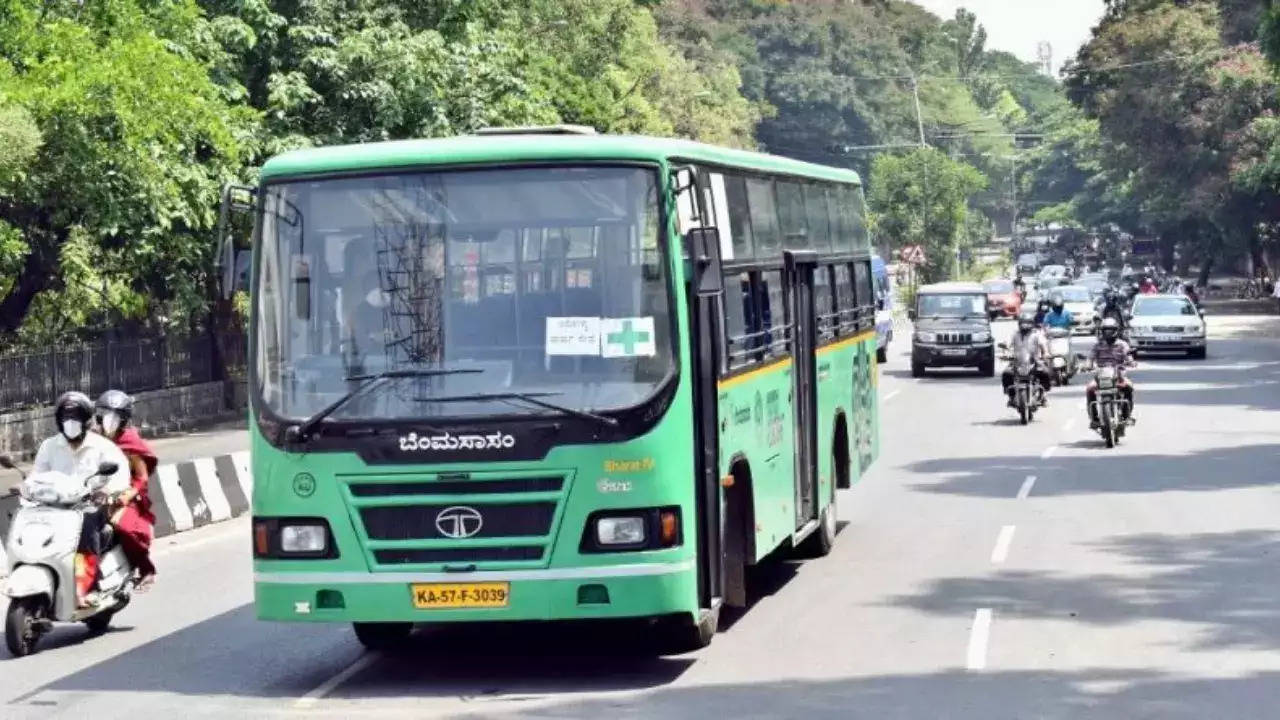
[(37, 274), (1259, 258), (1205, 268)]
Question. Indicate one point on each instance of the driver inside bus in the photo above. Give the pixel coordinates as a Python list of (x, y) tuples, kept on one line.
[(365, 321)]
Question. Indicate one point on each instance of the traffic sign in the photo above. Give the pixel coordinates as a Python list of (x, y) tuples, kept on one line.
[(913, 254)]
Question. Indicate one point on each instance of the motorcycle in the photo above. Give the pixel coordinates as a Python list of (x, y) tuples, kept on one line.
[(43, 539), (1110, 406), (1028, 393), (1062, 359)]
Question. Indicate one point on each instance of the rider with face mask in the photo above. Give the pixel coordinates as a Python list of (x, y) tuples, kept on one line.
[(1111, 351), (1028, 339), (132, 515), (77, 452)]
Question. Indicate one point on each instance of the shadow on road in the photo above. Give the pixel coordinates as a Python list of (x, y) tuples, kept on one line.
[(1107, 472), (1223, 582), (1098, 695)]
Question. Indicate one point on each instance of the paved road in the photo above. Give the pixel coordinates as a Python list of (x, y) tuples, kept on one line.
[(984, 570)]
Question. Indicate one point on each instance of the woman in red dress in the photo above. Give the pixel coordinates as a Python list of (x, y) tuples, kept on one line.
[(132, 518)]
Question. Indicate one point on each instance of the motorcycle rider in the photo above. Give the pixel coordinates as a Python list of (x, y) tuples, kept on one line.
[(1028, 339), (1110, 351), (1042, 309), (76, 452), (1058, 316), (1020, 285), (1112, 307), (132, 517)]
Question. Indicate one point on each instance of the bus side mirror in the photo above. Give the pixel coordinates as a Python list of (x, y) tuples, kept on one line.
[(704, 248), (911, 314), (236, 200)]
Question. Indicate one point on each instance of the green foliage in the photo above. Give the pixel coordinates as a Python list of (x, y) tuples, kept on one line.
[(922, 199)]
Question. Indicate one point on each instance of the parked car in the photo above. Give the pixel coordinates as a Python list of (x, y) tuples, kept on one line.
[(952, 329)]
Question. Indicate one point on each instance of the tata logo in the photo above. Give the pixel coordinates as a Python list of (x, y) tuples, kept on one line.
[(459, 522)]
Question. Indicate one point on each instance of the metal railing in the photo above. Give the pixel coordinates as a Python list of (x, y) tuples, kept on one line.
[(135, 365)]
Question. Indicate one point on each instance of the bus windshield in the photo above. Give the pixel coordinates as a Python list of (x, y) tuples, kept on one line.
[(540, 281)]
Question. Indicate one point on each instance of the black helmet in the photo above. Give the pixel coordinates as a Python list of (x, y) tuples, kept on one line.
[(1026, 324), (73, 406), (1056, 300), (114, 402), (1110, 329)]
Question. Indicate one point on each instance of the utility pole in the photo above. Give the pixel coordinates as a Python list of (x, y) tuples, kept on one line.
[(915, 92)]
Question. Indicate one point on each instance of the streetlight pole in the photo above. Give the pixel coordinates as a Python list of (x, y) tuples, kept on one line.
[(915, 93)]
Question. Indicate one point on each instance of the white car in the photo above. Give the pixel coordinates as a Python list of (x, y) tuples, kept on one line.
[(1053, 271), (1167, 323), (1077, 301)]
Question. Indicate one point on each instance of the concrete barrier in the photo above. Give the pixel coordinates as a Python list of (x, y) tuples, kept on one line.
[(184, 495)]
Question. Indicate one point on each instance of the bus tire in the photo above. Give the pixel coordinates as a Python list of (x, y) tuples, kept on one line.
[(882, 355), (686, 634), (382, 636), (821, 541)]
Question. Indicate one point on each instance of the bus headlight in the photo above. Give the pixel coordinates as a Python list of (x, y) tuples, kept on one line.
[(303, 539), (625, 530)]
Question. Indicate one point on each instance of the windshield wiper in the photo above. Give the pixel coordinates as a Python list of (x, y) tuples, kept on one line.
[(532, 399), (302, 431)]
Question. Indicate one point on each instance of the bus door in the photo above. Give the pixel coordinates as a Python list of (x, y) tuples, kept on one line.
[(798, 281), (705, 291)]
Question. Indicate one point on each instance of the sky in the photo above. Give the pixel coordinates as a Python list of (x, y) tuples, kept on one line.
[(1016, 26)]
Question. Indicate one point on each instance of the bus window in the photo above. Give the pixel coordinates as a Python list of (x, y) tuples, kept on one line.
[(774, 313), (764, 218), (740, 328), (858, 211), (846, 300), (862, 284), (838, 221), (815, 204), (791, 216), (824, 305), (735, 188)]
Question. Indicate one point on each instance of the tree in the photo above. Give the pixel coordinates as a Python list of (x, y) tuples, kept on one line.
[(134, 141), (921, 197)]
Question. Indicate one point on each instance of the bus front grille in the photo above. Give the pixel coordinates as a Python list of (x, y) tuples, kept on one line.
[(458, 522), (487, 519)]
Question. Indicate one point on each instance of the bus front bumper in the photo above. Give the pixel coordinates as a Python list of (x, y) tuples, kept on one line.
[(640, 590)]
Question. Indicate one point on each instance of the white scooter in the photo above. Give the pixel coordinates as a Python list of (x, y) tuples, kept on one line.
[(1063, 359), (42, 543)]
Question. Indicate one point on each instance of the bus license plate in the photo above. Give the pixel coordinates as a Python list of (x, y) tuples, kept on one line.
[(433, 596)]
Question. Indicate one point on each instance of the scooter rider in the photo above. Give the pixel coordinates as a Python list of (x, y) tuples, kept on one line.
[(76, 452), (1111, 351), (1028, 338), (1058, 316), (132, 515), (1042, 309)]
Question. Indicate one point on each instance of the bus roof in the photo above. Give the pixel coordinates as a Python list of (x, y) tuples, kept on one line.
[(534, 147)]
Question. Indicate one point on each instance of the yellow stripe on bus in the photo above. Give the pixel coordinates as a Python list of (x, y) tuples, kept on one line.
[(847, 342), (771, 367), (778, 365)]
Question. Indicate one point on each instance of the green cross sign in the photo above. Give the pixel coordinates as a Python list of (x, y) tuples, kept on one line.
[(627, 338)]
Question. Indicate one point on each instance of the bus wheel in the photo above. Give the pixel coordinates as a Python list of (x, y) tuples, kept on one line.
[(686, 635), (382, 635)]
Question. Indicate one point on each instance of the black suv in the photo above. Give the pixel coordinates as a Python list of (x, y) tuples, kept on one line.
[(952, 329)]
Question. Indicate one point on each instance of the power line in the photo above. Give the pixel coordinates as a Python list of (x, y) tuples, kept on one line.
[(1071, 70)]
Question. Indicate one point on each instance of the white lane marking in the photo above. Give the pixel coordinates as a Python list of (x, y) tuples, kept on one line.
[(1048, 452), (1069, 424), (891, 396), (1025, 490), (976, 659), (332, 683), (211, 489), (1003, 540)]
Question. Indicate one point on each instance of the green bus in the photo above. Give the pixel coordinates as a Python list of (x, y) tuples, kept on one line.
[(544, 374)]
